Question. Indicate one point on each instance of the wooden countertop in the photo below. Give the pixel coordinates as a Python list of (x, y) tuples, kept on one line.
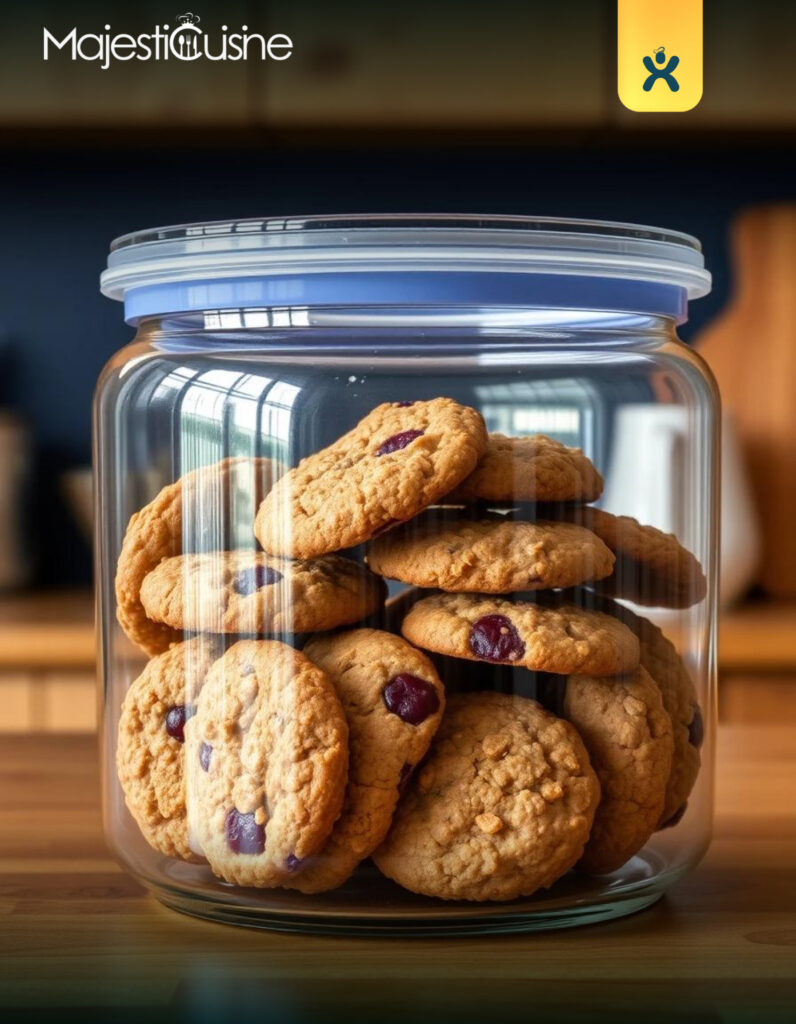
[(51, 629), (79, 933)]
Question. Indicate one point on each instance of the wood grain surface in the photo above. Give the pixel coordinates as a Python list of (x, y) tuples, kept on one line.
[(81, 936)]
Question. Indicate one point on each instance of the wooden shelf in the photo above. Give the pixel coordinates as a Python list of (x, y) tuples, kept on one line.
[(52, 630), (758, 637)]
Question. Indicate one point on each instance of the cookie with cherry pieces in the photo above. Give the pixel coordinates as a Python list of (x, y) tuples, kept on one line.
[(543, 637), (150, 752), (268, 756), (249, 592), (393, 702), (204, 501), (402, 457)]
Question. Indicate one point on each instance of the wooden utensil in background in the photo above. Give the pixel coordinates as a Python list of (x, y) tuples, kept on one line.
[(751, 349)]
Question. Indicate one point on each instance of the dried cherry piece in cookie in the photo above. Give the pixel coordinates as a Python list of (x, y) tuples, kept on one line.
[(398, 441), (205, 753), (244, 835), (176, 717), (249, 581), (696, 730), (495, 638), (412, 699)]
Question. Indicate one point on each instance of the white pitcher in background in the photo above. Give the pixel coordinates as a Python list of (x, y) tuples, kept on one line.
[(647, 473)]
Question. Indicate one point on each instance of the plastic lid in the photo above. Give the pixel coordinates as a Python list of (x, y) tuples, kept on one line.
[(405, 259)]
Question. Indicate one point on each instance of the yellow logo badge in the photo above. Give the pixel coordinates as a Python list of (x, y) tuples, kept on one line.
[(659, 52)]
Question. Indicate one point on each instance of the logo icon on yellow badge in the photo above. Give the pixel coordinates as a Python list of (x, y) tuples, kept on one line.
[(655, 78), (661, 74)]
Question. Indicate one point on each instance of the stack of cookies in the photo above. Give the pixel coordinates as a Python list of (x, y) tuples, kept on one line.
[(283, 748)]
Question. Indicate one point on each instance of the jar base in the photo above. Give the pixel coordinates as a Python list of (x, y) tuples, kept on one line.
[(391, 912)]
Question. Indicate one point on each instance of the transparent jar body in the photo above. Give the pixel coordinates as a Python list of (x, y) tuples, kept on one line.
[(195, 389)]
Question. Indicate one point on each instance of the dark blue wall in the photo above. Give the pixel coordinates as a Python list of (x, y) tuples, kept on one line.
[(61, 208)]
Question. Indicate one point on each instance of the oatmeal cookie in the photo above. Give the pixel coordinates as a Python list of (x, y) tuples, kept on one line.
[(652, 567), (393, 702), (150, 751), (669, 672), (536, 468), (489, 555), (628, 735), (248, 592), (660, 658), (212, 496), (550, 637), (399, 459), (267, 756), (502, 806)]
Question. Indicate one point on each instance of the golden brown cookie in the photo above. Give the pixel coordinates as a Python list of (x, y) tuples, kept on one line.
[(628, 735), (216, 499), (393, 702), (545, 638), (536, 468), (248, 592), (502, 806), (267, 758), (652, 567), (400, 458), (150, 751), (660, 658), (491, 555)]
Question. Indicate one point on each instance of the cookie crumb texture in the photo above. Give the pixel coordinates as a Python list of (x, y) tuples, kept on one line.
[(670, 674), (201, 501), (660, 658), (652, 567), (501, 807), (288, 769), (249, 592), (278, 763), (387, 739), (397, 460), (559, 638), (150, 753), (628, 735), (489, 556), (535, 468)]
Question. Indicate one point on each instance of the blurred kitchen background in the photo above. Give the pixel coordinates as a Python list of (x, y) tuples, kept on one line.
[(496, 107)]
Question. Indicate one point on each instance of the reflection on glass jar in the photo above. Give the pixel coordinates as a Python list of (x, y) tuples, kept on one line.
[(407, 547)]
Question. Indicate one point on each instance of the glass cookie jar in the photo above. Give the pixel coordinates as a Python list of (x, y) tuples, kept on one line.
[(406, 556)]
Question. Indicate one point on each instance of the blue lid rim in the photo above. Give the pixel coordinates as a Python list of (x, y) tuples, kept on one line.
[(409, 288)]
